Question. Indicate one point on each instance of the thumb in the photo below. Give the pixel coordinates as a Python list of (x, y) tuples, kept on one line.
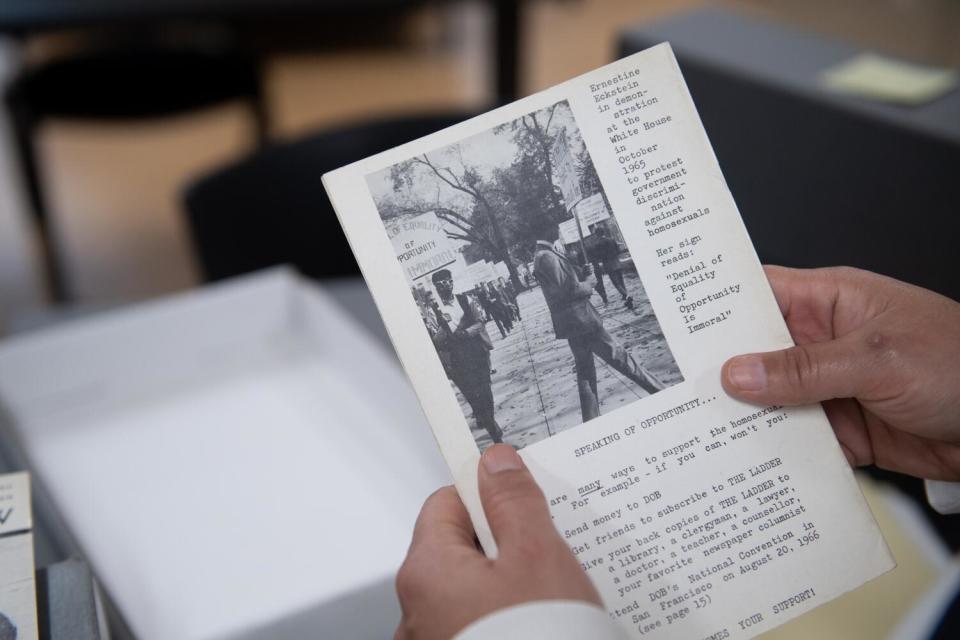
[(803, 374), (513, 502)]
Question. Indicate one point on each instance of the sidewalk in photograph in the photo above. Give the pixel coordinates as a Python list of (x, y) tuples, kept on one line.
[(534, 369)]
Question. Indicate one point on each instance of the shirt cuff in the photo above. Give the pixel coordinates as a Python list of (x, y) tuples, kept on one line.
[(544, 620), (944, 497)]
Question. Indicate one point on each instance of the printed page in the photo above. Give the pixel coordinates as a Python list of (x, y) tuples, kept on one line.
[(18, 594), (567, 274)]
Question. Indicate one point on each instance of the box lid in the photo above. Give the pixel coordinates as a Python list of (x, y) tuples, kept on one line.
[(225, 458)]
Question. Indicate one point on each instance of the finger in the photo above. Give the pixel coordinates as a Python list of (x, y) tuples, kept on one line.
[(904, 452), (808, 300), (780, 282), (443, 521), (513, 502), (843, 368), (796, 285), (846, 418)]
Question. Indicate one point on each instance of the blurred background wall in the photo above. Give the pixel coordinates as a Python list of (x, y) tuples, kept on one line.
[(115, 189)]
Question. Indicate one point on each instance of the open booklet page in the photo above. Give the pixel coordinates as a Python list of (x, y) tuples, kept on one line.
[(567, 274)]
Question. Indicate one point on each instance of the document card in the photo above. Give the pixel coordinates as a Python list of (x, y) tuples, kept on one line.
[(567, 274)]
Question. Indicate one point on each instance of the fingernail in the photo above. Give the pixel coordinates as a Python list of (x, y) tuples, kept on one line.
[(747, 373), (501, 458)]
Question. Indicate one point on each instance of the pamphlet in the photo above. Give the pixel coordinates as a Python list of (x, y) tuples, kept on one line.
[(567, 274)]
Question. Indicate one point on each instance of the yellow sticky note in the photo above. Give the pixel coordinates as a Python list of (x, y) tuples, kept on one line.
[(871, 76)]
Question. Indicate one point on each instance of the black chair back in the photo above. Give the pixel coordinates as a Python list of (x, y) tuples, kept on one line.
[(271, 208)]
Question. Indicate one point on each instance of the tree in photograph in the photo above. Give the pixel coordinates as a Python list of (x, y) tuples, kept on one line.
[(528, 198), (589, 178), (495, 210), (533, 134), (481, 227)]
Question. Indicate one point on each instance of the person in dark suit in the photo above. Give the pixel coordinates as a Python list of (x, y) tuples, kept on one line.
[(463, 342), (487, 306), (499, 307), (607, 255), (576, 320), (510, 293)]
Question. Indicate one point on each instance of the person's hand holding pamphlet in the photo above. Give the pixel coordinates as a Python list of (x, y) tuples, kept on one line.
[(567, 275)]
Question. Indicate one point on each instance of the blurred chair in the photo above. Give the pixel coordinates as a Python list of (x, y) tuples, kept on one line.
[(271, 207), (121, 83)]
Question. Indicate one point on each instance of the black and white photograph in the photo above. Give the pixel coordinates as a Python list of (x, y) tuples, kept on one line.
[(523, 280)]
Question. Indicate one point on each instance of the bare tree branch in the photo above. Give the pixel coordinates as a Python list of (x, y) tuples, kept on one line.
[(467, 238), (443, 211), (464, 228), (546, 127), (455, 183)]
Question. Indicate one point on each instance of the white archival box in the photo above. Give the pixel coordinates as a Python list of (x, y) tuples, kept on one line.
[(236, 462)]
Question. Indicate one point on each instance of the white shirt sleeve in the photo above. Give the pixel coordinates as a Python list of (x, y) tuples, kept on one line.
[(944, 497), (545, 620)]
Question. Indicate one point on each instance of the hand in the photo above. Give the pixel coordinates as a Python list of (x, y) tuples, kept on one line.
[(471, 331), (447, 582), (588, 282), (589, 287), (590, 274), (882, 355)]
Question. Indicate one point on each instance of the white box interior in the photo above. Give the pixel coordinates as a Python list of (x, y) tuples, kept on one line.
[(234, 461)]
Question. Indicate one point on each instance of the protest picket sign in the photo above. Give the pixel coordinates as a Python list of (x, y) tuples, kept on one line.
[(563, 170), (568, 231), (591, 210), (421, 244)]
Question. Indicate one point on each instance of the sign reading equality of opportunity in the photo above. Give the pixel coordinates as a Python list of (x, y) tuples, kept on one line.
[(564, 173), (421, 244)]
